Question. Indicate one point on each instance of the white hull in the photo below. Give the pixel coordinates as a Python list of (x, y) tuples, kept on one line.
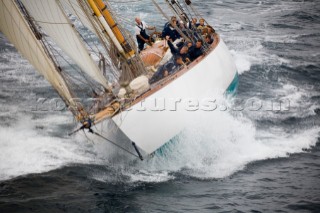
[(150, 128)]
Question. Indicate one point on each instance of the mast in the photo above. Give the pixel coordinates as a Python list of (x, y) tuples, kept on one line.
[(111, 27), (124, 53)]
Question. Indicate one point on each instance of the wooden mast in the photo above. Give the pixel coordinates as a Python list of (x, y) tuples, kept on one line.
[(101, 10)]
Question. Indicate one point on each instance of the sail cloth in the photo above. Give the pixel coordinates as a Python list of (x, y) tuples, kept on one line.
[(80, 9), (75, 9), (18, 32), (51, 17)]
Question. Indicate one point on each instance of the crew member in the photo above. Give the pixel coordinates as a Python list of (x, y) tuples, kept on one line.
[(141, 34), (169, 29), (182, 51), (173, 65), (196, 50)]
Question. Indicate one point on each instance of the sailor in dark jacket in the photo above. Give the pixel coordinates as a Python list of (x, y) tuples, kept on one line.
[(173, 65), (183, 51), (196, 50), (141, 34), (169, 30)]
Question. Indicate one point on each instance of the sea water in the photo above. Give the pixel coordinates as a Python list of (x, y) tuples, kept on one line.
[(257, 152)]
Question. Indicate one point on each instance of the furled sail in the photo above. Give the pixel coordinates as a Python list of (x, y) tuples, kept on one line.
[(51, 17), (18, 32)]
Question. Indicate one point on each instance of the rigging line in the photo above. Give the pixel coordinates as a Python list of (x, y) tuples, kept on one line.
[(77, 6), (175, 11), (47, 22), (69, 79), (78, 15), (125, 20), (93, 51), (138, 65), (88, 137), (186, 6), (176, 28), (49, 47), (44, 42), (45, 47), (73, 67), (197, 13), (188, 21), (182, 9), (189, 32), (72, 81), (115, 144), (123, 2), (80, 45), (103, 40), (109, 129)]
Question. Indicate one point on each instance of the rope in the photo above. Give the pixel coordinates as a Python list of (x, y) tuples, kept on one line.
[(186, 6), (88, 137), (114, 143), (46, 22), (79, 19), (88, 82), (164, 14), (88, 125)]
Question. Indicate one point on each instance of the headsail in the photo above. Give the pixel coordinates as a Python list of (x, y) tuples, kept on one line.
[(51, 17), (75, 8), (17, 30)]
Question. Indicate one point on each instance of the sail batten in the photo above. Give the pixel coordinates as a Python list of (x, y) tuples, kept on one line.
[(55, 23)]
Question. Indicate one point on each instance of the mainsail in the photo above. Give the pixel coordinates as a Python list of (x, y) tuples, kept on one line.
[(17, 30), (52, 18)]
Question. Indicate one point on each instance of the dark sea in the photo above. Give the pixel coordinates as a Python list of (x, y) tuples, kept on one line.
[(258, 153)]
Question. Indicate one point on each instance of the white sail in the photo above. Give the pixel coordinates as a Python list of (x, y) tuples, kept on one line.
[(51, 17), (75, 9), (18, 32)]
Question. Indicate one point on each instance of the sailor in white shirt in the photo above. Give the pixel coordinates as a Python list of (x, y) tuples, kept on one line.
[(141, 34)]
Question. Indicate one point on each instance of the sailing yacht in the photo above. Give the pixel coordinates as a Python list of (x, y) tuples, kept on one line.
[(107, 80)]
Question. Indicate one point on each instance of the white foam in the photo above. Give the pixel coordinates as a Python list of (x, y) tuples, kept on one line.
[(149, 176), (214, 145), (131, 175), (298, 97), (242, 61), (289, 39), (25, 150), (217, 145)]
